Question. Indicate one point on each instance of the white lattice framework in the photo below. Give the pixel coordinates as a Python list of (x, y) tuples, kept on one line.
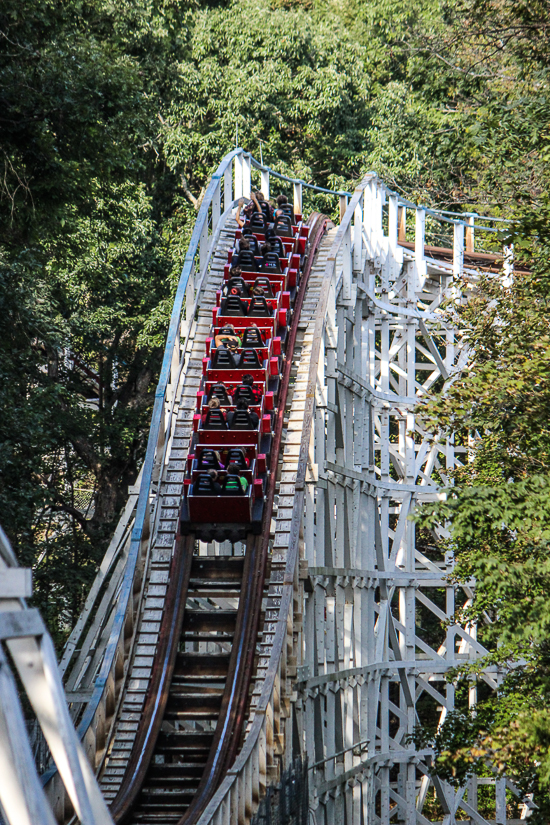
[(379, 632)]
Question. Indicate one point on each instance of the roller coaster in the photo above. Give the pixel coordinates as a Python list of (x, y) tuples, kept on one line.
[(246, 620)]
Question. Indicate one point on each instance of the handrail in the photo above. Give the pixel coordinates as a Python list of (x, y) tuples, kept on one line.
[(440, 214), (257, 165)]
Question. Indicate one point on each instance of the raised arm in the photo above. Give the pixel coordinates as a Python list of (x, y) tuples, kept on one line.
[(254, 198), (240, 221)]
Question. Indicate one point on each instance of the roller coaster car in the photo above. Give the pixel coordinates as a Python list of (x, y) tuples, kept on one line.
[(277, 322), (228, 409), (226, 369), (235, 515), (283, 260), (209, 433), (290, 244), (277, 283), (258, 306), (258, 400), (233, 380), (203, 457), (246, 472), (255, 343), (289, 268)]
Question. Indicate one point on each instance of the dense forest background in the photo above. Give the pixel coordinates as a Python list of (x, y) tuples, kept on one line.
[(112, 117)]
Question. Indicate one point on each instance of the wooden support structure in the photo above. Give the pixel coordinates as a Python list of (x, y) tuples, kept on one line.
[(344, 669)]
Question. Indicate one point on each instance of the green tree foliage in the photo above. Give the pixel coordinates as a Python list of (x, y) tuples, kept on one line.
[(497, 512), (88, 257), (112, 117)]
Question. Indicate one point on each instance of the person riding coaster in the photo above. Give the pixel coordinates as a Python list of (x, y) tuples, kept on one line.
[(227, 336), (257, 203), (235, 483)]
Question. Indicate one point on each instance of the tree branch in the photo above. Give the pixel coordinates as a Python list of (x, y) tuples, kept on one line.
[(188, 194)]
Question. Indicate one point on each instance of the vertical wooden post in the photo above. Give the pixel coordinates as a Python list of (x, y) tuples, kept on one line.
[(470, 234), (265, 184), (247, 182), (228, 187), (216, 208), (393, 221), (238, 176), (419, 241), (358, 237), (402, 224), (367, 215), (343, 206), (203, 247), (508, 265), (297, 198), (347, 264), (458, 249)]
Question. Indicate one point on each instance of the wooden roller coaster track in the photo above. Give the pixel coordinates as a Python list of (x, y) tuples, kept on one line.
[(191, 675)]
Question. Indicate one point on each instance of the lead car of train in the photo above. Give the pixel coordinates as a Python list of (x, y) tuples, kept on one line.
[(227, 473)]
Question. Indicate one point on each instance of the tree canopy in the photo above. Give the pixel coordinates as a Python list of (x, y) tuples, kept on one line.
[(112, 118)]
